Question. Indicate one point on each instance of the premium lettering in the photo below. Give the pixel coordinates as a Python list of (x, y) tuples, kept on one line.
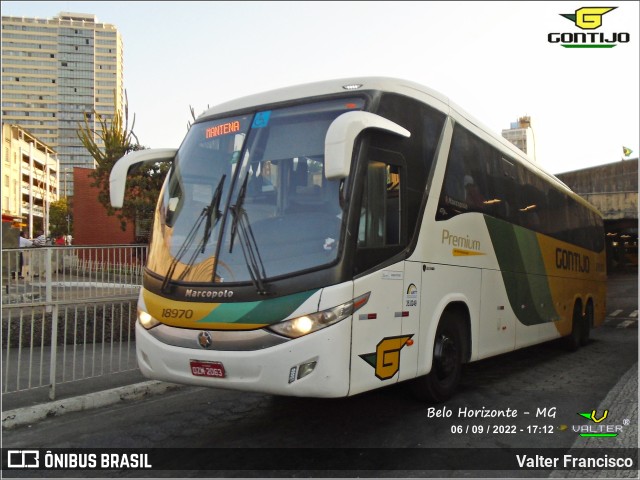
[(462, 242)]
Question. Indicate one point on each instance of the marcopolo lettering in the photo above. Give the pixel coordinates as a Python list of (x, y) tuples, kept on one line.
[(588, 37), (572, 261), (191, 293)]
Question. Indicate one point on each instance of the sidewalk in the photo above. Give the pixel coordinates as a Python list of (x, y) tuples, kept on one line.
[(66, 390), (30, 406)]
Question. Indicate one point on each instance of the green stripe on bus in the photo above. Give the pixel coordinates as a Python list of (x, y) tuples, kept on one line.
[(261, 312), (522, 267), (598, 45)]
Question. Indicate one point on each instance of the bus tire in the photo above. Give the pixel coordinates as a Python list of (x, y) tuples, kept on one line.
[(448, 347), (587, 322), (573, 340)]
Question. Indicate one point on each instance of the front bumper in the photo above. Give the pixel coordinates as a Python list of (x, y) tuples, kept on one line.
[(266, 370)]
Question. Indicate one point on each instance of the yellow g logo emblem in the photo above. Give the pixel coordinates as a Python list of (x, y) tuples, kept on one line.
[(386, 359), (588, 18)]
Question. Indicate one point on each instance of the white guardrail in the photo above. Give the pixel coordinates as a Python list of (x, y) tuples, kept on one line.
[(68, 313)]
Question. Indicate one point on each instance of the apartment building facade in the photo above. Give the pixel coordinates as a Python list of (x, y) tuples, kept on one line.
[(30, 180), (56, 73), (521, 135)]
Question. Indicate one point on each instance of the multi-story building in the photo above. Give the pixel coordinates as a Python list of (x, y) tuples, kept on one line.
[(57, 73), (521, 135), (30, 180)]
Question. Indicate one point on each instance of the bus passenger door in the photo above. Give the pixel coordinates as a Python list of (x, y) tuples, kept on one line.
[(378, 338)]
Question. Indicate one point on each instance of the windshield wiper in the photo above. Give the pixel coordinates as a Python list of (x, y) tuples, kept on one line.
[(236, 209), (242, 227), (212, 210)]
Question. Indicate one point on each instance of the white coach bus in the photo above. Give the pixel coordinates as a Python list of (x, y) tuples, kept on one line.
[(332, 238)]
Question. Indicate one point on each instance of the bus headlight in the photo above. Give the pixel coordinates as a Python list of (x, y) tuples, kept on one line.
[(299, 326), (146, 320)]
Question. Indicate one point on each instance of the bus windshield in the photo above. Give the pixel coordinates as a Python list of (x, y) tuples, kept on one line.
[(247, 199)]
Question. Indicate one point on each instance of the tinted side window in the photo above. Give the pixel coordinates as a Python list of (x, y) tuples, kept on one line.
[(467, 186), (425, 125), (382, 223), (479, 178), (380, 216)]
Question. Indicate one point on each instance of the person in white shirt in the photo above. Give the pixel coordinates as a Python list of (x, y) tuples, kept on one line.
[(23, 242)]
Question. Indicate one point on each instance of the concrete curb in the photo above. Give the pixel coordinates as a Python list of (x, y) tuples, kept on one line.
[(35, 413)]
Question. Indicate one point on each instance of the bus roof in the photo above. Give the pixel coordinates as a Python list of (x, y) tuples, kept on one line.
[(385, 84)]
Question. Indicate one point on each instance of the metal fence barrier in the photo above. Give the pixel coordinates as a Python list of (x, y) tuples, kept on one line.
[(40, 275), (68, 313)]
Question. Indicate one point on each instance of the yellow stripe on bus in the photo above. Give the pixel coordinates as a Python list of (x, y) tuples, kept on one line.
[(459, 252)]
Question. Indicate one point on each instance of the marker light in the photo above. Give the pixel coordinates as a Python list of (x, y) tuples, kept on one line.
[(299, 326), (146, 320), (306, 368), (353, 86)]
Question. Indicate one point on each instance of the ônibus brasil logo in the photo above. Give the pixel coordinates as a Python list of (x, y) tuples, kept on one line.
[(588, 19)]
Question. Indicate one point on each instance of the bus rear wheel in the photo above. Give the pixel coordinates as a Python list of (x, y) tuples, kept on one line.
[(586, 325), (573, 341), (441, 383)]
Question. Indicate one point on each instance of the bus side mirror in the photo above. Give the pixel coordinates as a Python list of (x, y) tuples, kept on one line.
[(341, 135), (118, 175)]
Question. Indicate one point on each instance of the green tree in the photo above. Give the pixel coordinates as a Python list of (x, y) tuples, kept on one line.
[(110, 141), (60, 218)]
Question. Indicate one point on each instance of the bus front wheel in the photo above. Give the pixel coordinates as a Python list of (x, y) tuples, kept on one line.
[(441, 383)]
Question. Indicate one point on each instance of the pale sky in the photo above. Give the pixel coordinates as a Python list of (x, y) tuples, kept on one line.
[(493, 59)]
